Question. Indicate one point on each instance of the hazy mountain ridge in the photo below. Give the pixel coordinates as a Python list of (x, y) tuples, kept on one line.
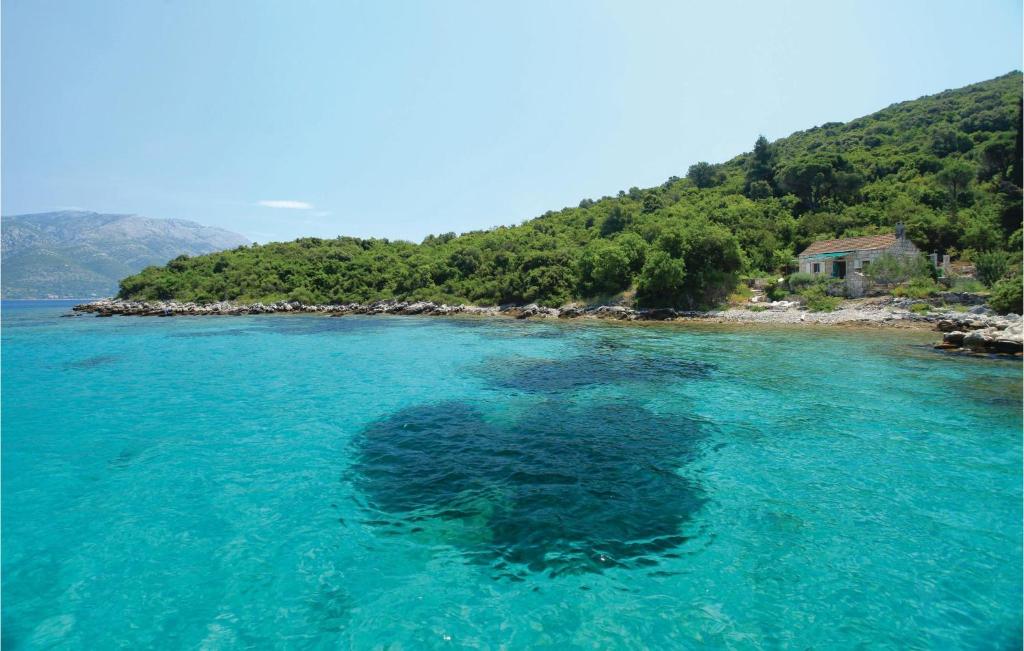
[(78, 254)]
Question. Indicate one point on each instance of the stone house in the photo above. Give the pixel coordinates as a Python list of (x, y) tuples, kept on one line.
[(849, 258)]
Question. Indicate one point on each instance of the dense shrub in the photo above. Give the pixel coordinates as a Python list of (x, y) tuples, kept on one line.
[(800, 281), (889, 269), (991, 266), (775, 291), (817, 300), (604, 268), (966, 284), (918, 288), (635, 249), (1008, 296), (662, 281)]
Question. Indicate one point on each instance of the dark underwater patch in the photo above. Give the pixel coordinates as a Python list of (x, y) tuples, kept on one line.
[(314, 324), (124, 459), (443, 453), (560, 490), (129, 456), (201, 334), (91, 362), (504, 328), (567, 374)]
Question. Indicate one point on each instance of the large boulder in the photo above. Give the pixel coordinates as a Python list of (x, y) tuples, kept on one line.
[(613, 312), (419, 307), (977, 340), (1008, 346), (656, 314), (955, 338), (526, 311)]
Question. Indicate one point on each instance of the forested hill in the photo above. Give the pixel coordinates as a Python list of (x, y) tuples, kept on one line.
[(947, 165)]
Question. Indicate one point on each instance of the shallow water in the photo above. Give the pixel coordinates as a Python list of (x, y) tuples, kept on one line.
[(309, 482)]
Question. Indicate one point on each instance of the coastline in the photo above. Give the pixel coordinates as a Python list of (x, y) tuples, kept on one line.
[(976, 331), (886, 313)]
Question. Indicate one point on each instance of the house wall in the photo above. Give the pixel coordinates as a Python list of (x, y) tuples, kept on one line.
[(855, 260), (903, 247), (807, 265), (869, 257), (857, 283)]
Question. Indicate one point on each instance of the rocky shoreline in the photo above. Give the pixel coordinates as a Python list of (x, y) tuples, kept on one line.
[(1001, 335), (977, 331), (777, 312)]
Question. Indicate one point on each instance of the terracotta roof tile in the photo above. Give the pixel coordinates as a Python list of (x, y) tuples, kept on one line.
[(865, 243)]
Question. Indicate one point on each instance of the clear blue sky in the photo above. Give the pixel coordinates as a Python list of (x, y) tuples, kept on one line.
[(401, 118)]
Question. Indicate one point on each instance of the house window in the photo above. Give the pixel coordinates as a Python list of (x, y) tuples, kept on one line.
[(816, 268), (864, 266)]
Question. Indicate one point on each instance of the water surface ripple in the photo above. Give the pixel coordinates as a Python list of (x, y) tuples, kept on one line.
[(385, 482)]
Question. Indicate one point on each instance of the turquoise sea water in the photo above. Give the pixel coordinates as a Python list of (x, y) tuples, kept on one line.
[(403, 482)]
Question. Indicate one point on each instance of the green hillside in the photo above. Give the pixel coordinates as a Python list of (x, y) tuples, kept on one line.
[(947, 165)]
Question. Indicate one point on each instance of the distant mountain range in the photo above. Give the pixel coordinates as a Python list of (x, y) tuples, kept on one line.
[(79, 254)]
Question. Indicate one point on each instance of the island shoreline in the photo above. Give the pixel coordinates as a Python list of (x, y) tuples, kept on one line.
[(976, 332)]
